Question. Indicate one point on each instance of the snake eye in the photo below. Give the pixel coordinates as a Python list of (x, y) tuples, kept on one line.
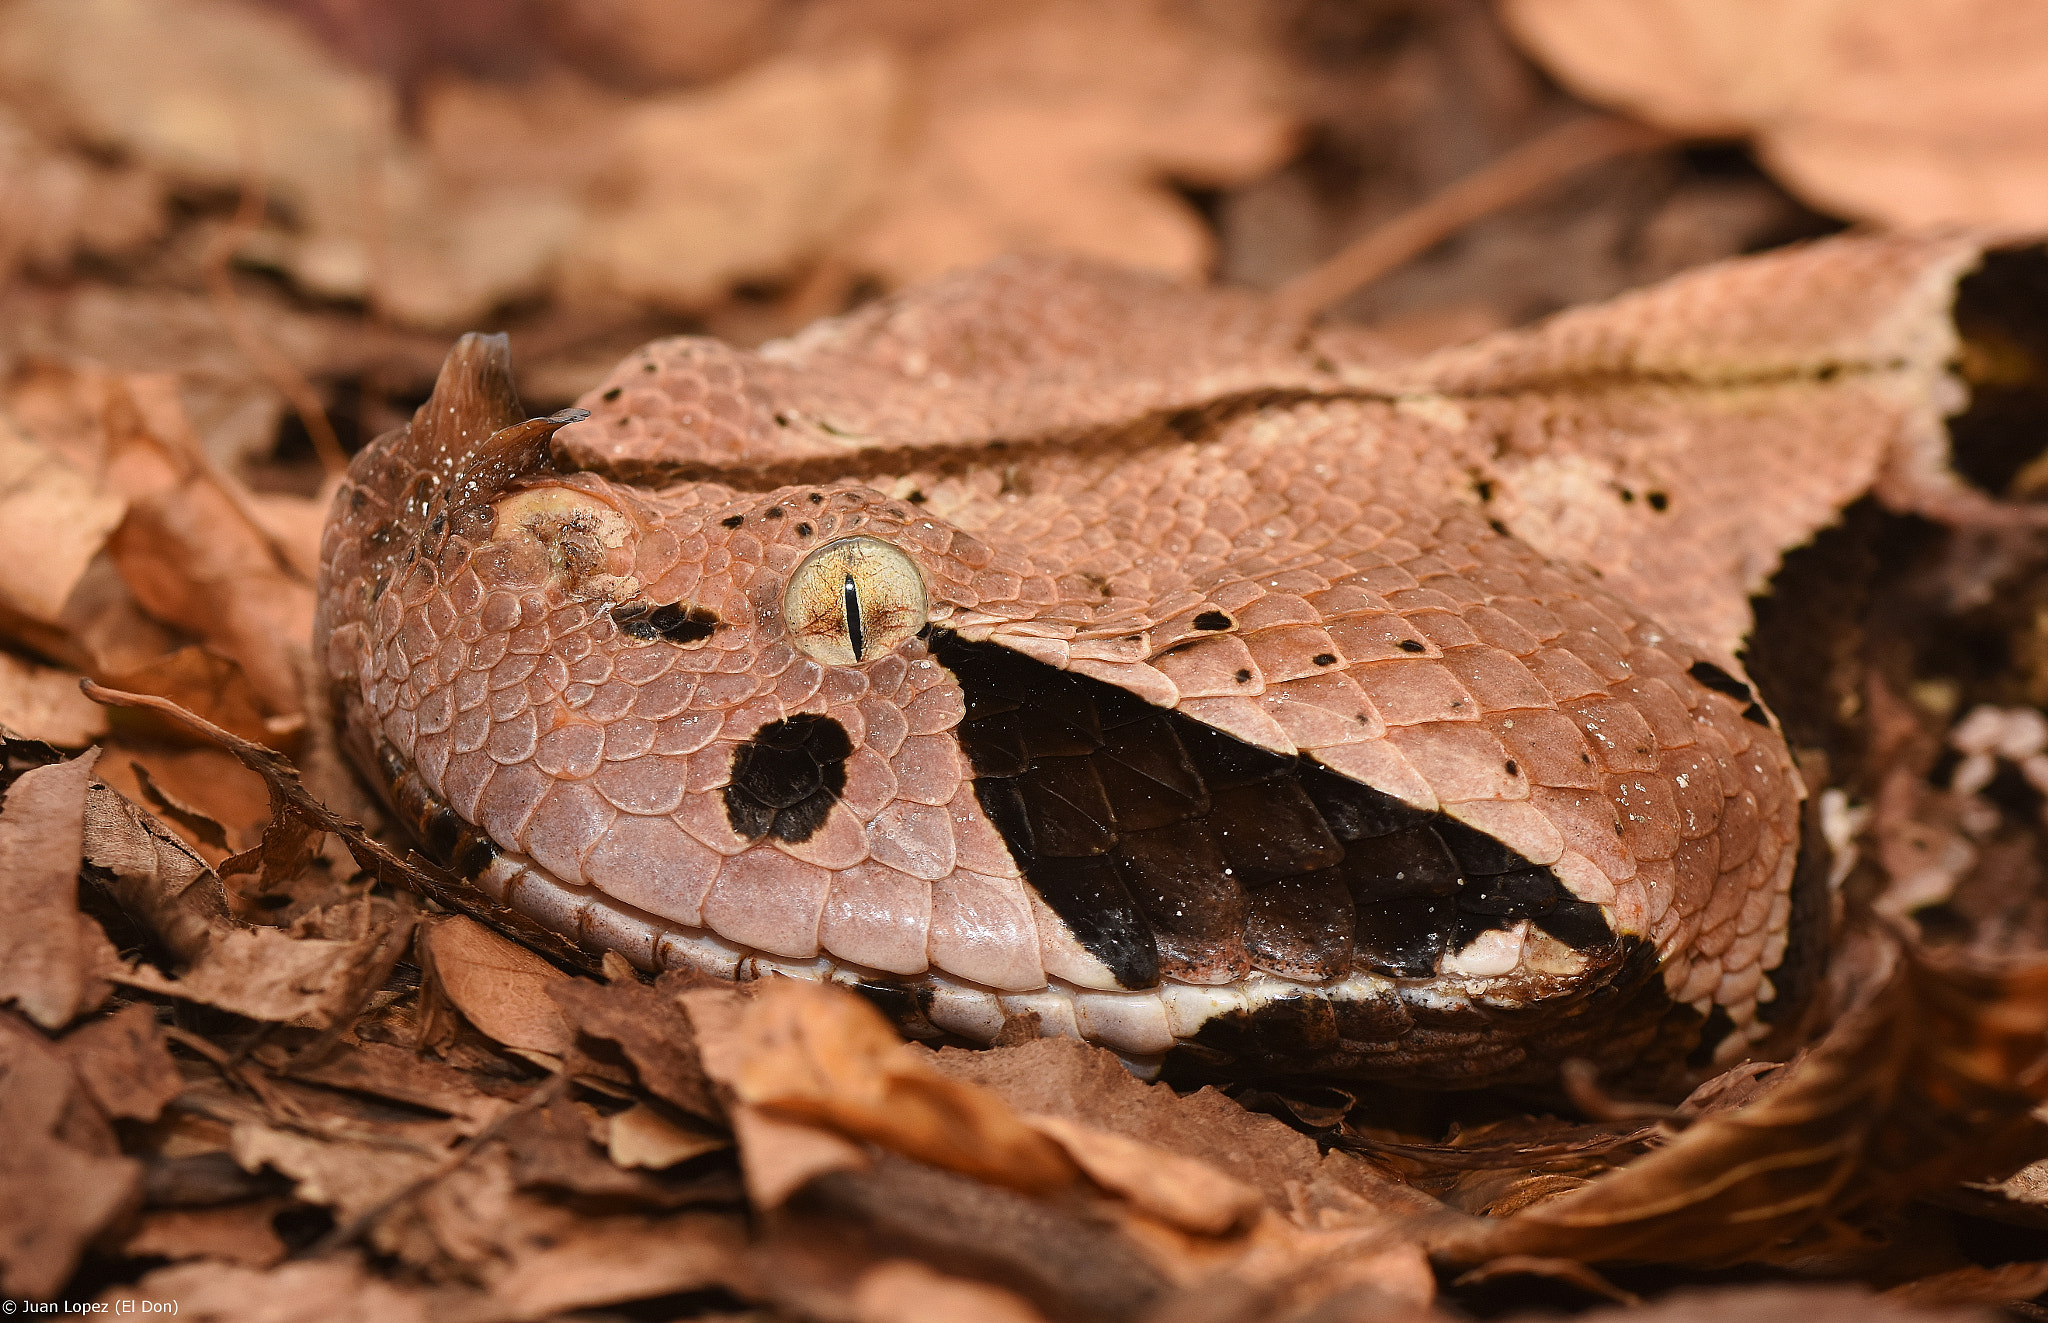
[(853, 600)]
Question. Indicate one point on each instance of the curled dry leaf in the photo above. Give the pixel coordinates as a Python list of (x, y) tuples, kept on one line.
[(820, 1056), (1903, 112), (51, 956), (1934, 1080)]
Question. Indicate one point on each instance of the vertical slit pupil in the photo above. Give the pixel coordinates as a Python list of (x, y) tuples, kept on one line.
[(850, 597)]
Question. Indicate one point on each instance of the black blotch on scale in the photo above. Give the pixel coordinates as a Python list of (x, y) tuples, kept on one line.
[(672, 621), (787, 777), (1167, 846)]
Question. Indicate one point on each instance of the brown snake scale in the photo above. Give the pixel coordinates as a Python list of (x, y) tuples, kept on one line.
[(1240, 737)]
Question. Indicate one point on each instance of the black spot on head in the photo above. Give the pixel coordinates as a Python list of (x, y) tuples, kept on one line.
[(648, 367), (1498, 527), (611, 394), (1324, 659), (1484, 488), (917, 496), (1512, 767), (803, 530), (732, 521), (1627, 497), (1410, 645), (671, 621), (815, 498), (1212, 620), (1659, 501), (440, 522), (787, 777), (1243, 676), (1718, 680), (772, 512)]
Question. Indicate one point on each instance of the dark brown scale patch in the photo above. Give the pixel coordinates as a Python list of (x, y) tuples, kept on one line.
[(1718, 680), (1410, 645), (1212, 620), (1167, 846), (732, 521), (611, 394), (787, 777), (772, 512), (671, 621)]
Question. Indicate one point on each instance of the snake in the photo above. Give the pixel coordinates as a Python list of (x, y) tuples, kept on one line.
[(1051, 645)]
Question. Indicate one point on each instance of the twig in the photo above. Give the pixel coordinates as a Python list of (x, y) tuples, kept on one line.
[(227, 304), (1529, 168)]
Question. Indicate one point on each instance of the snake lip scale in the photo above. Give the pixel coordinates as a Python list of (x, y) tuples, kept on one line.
[(1177, 703)]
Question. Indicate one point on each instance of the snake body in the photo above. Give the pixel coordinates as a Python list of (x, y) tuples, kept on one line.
[(1210, 720)]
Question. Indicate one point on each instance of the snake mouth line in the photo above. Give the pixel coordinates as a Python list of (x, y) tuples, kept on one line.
[(1361, 1024)]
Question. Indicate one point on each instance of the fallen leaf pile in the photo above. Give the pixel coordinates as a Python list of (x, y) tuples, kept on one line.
[(256, 1063), (1899, 111)]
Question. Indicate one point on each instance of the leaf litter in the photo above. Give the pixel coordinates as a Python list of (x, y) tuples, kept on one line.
[(257, 1062)]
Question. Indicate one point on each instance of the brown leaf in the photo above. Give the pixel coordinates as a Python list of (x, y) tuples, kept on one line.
[(192, 553), (62, 1177), (240, 1234), (641, 1136), (905, 1291), (43, 702), (650, 1028), (1903, 112), (602, 1260), (1060, 1077), (51, 956), (308, 1291), (1182, 1192), (502, 988), (1050, 126), (823, 1056), (1931, 1082), (53, 520), (123, 1064)]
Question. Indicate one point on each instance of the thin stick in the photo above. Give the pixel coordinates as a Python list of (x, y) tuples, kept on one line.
[(1538, 163)]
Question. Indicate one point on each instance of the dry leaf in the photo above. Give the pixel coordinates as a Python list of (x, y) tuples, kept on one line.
[(650, 1029), (192, 553), (43, 703), (822, 1056), (640, 1136), (51, 956), (1182, 1192), (742, 181), (61, 1174), (240, 1234), (603, 1260), (905, 1291), (1054, 126), (1903, 112), (502, 988), (53, 520), (122, 1063), (312, 1291), (1933, 1081)]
